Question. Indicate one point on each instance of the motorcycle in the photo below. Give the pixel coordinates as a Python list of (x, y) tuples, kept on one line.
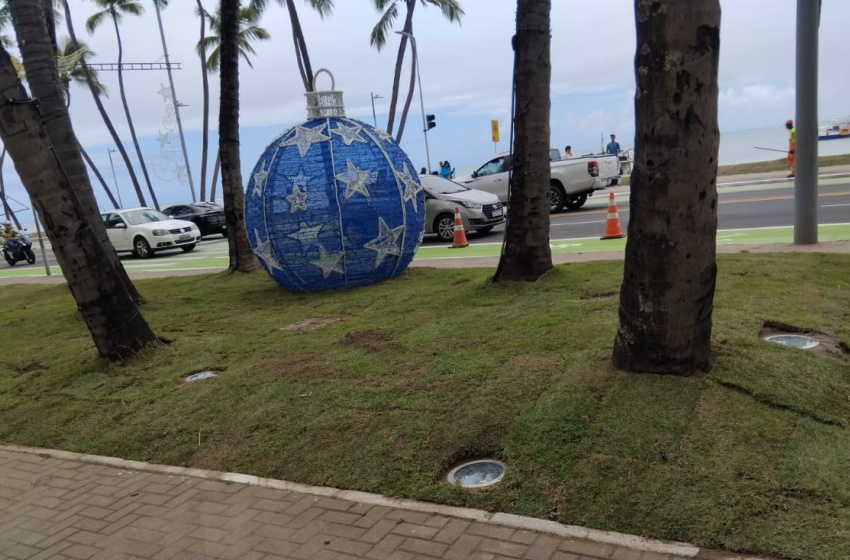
[(18, 249)]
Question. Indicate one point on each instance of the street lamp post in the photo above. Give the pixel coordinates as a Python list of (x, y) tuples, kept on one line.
[(374, 97), (421, 101), (114, 179)]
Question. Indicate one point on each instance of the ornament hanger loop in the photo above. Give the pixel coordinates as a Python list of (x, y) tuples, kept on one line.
[(326, 71)]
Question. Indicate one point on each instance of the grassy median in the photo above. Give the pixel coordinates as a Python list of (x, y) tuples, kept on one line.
[(384, 388)]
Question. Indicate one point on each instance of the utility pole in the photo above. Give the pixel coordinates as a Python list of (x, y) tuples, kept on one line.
[(114, 178), (806, 173), (421, 100)]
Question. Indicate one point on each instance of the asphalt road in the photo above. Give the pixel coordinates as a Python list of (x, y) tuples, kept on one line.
[(753, 206)]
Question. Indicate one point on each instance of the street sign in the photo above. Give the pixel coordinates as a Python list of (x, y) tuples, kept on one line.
[(494, 130)]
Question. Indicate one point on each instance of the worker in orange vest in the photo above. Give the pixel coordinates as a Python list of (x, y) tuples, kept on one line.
[(792, 144)]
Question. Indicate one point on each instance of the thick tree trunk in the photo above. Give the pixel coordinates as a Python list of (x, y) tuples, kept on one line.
[(216, 170), (301, 53), (43, 79), (399, 62), (410, 87), (526, 254), (242, 258), (102, 110), (118, 329), (130, 118), (205, 82), (669, 275)]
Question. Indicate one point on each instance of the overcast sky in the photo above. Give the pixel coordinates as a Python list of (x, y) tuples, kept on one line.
[(466, 76)]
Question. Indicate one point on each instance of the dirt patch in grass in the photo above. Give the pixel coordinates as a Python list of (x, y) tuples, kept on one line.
[(370, 341), (28, 368), (312, 324), (301, 368)]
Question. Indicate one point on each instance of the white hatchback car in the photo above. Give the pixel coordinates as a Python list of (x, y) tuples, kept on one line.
[(480, 211), (144, 231)]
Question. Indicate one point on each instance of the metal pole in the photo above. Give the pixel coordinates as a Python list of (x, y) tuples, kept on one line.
[(115, 179), (806, 179), (41, 242), (421, 101), (374, 116), (174, 101)]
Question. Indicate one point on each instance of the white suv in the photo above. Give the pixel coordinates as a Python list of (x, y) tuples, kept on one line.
[(144, 231)]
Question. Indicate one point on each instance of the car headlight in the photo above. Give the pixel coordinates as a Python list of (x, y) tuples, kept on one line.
[(159, 232), (469, 204)]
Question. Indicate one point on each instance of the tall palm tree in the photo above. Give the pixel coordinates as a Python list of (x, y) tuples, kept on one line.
[(205, 83), (526, 254), (242, 258), (90, 76), (115, 10), (669, 275), (389, 12), (41, 141)]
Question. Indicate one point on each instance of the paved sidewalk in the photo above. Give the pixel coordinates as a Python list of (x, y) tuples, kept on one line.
[(63, 506)]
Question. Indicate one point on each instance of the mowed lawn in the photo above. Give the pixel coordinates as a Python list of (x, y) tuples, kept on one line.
[(403, 379)]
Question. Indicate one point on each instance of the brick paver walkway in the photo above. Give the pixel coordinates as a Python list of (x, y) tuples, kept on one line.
[(62, 506)]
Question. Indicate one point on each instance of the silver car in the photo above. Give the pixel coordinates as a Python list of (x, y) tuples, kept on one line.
[(480, 211)]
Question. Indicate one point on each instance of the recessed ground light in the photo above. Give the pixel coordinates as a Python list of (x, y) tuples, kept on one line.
[(477, 474), (202, 375), (793, 340)]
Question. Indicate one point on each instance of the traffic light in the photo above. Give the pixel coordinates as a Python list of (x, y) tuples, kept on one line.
[(431, 119)]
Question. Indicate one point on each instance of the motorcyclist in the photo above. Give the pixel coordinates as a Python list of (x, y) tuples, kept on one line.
[(8, 232)]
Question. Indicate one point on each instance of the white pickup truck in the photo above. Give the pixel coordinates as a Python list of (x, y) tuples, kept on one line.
[(572, 181)]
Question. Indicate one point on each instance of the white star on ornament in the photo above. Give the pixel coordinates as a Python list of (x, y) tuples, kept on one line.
[(297, 200), (307, 235), (411, 187), (165, 92), (356, 180), (301, 181), (349, 134), (383, 135), (328, 262), (387, 242), (305, 137), (162, 138), (265, 253), (260, 178)]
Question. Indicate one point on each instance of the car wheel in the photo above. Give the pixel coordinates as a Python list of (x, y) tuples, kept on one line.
[(576, 202), (556, 199), (444, 227), (142, 248), (29, 255), (8, 258), (187, 248)]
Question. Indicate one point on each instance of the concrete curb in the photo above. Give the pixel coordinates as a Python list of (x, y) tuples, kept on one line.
[(502, 519), (770, 180)]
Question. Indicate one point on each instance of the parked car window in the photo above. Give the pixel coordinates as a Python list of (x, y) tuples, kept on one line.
[(136, 217), (177, 210), (112, 220), (442, 186), (492, 166)]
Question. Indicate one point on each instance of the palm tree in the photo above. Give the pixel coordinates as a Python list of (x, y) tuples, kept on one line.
[(115, 10), (242, 258), (90, 77), (669, 275), (526, 254), (451, 10), (41, 141), (205, 82)]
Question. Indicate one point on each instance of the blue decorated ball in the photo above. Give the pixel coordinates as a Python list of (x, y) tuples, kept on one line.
[(334, 203)]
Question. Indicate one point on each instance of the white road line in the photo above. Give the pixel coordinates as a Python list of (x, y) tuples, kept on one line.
[(834, 205)]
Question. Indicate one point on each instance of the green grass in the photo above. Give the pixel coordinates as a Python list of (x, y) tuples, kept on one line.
[(777, 165), (440, 365)]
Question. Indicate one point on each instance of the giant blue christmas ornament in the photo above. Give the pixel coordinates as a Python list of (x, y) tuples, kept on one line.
[(333, 202)]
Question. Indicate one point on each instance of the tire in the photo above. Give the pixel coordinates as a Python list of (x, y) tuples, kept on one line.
[(187, 248), (444, 227), (557, 198), (30, 256), (576, 201), (8, 258), (142, 248)]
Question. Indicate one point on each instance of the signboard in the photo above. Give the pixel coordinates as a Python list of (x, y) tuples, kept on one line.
[(494, 130)]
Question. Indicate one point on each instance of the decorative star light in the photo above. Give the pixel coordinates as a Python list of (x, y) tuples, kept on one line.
[(411, 187), (307, 235), (163, 139), (305, 137), (328, 262), (387, 242), (260, 178), (265, 252), (349, 134), (383, 135), (356, 180), (297, 200), (301, 181), (165, 92)]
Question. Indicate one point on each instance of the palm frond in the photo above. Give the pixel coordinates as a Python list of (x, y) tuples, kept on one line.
[(95, 20), (378, 37), (451, 9), (323, 7)]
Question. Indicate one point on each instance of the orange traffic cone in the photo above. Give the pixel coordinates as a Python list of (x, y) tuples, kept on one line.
[(612, 226), (459, 241)]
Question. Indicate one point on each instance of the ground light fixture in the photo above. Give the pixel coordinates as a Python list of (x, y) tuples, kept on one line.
[(793, 340), (477, 474), (202, 375)]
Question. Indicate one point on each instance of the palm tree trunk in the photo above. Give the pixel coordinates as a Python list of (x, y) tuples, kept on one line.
[(45, 86), (399, 61), (102, 110), (526, 254), (205, 81), (216, 169), (117, 327), (242, 258), (667, 295), (97, 174), (301, 53), (7, 210), (129, 118), (410, 88)]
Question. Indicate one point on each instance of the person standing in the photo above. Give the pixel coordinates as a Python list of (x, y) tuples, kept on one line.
[(568, 152), (613, 146), (792, 145)]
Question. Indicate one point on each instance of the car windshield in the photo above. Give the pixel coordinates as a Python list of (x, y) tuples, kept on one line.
[(443, 186), (208, 205), (145, 216)]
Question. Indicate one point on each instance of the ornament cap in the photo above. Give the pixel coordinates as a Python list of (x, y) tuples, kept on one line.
[(327, 103)]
